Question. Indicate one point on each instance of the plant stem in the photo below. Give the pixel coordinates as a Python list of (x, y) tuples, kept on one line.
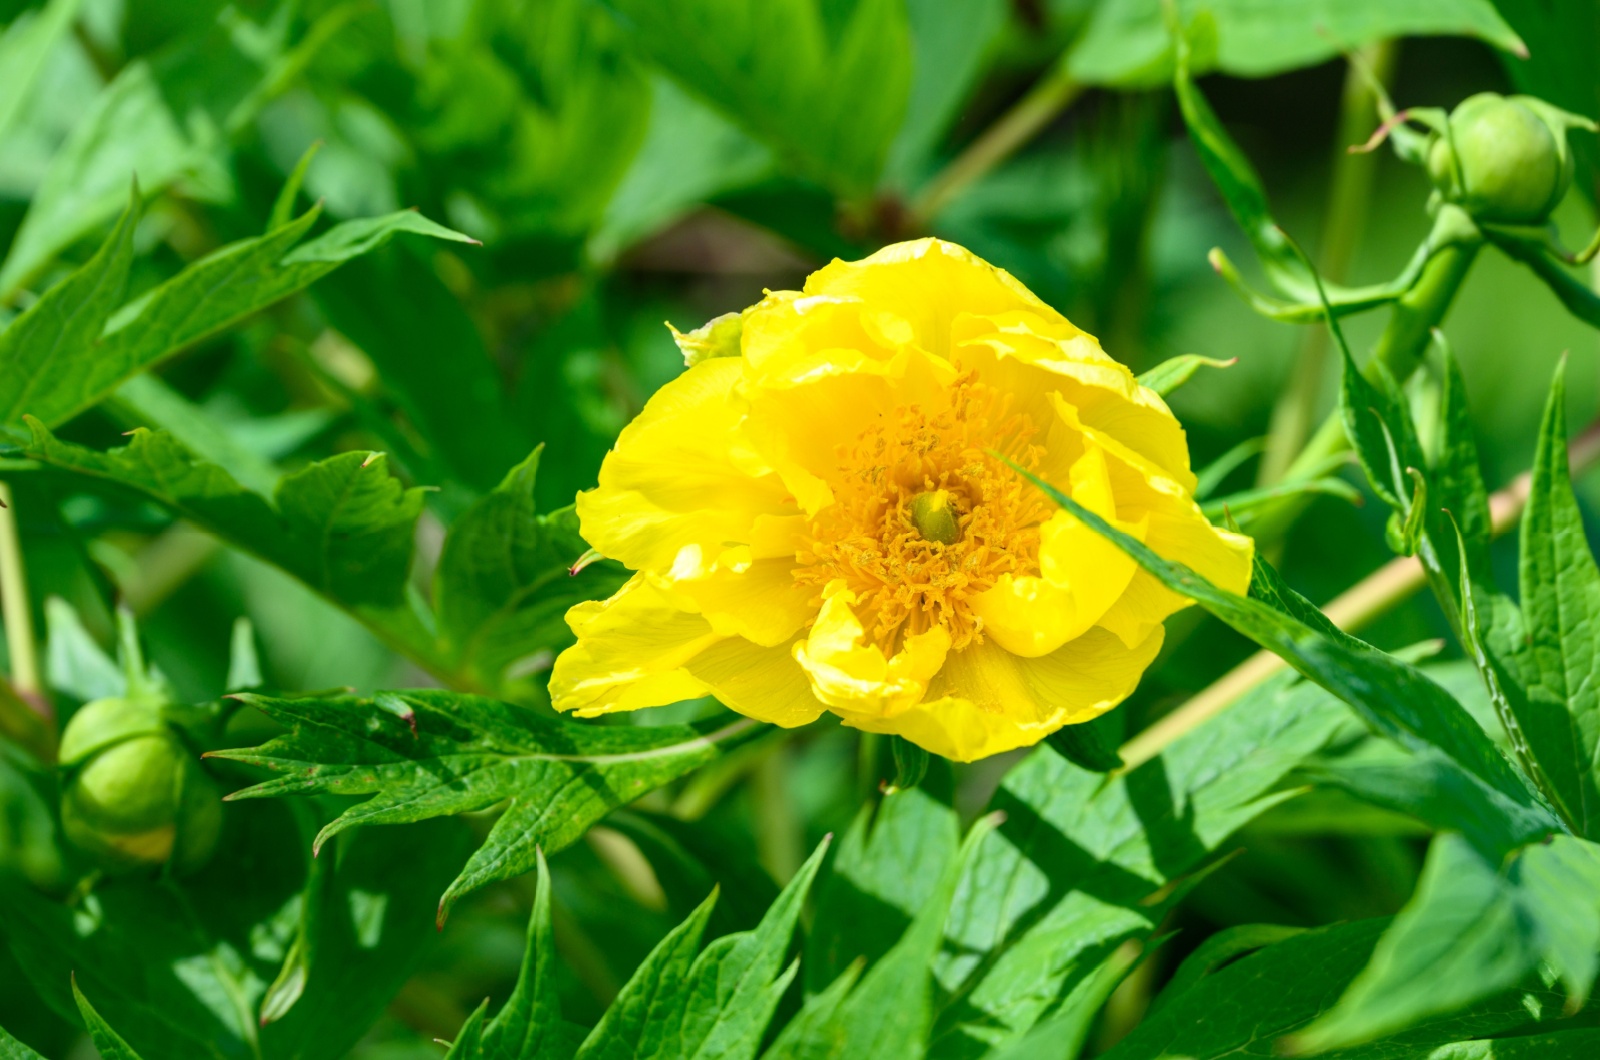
[(1399, 349), (17, 609), (1348, 199), (1357, 606), (1048, 97)]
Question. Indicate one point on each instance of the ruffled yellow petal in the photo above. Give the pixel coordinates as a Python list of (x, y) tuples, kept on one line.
[(852, 675), (1175, 529), (632, 651), (1081, 573), (927, 283), (987, 700), (739, 596), (681, 475), (638, 650)]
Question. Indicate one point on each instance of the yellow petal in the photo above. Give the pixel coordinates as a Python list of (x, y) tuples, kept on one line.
[(637, 650), (1081, 573), (852, 675), (757, 599), (632, 651), (927, 283), (681, 475), (986, 700), (762, 683)]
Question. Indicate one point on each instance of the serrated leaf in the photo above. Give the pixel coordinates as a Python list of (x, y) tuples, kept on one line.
[(343, 526), (1127, 42), (468, 753), (1170, 374), (1471, 931), (503, 583), (1392, 696), (207, 296), (1557, 658), (824, 84), (107, 1041)]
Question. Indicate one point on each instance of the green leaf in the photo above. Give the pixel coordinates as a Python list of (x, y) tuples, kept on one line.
[(825, 84), (25, 48), (66, 319), (106, 1041), (1456, 480), (1558, 657), (887, 867), (1089, 744), (1170, 374), (74, 661), (58, 378), (1073, 872), (343, 526), (1395, 698), (889, 1012), (1249, 1006), (180, 967), (950, 39), (1472, 931), (1219, 950), (529, 1026), (128, 130), (504, 584), (457, 753), (11, 1049), (1127, 42)]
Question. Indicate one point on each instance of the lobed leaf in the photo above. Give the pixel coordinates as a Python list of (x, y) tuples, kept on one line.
[(432, 753)]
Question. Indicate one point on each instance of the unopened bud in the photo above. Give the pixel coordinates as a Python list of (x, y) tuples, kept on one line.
[(1504, 159), (136, 796)]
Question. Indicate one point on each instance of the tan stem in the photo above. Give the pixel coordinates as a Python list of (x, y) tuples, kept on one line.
[(1352, 609)]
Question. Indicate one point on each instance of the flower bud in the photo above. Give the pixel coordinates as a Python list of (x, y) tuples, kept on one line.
[(137, 796), (1503, 159)]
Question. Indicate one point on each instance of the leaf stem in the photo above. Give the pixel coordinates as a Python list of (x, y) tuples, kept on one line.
[(1356, 607), (1348, 201), (17, 609), (1051, 94)]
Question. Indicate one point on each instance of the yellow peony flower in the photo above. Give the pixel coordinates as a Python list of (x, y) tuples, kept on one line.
[(816, 522)]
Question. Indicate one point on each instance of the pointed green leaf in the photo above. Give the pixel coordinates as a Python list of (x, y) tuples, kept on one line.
[(1169, 375), (529, 1026), (107, 1041), (209, 295), (504, 583), (458, 753), (1559, 659), (39, 345), (11, 1049)]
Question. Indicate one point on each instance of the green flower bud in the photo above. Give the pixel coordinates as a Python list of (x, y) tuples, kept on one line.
[(137, 797), (1503, 159)]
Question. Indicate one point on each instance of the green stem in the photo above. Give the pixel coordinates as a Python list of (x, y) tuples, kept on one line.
[(1047, 98), (1348, 200), (17, 609), (1400, 348)]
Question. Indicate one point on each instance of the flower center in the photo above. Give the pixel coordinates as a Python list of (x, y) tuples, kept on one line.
[(924, 518)]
